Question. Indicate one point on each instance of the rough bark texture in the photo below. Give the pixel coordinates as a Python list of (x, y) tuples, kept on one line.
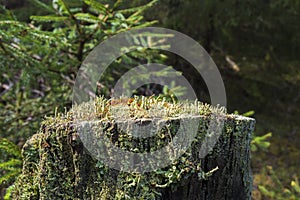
[(57, 166), (233, 179)]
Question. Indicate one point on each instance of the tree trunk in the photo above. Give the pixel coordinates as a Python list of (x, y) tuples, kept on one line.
[(233, 179), (58, 166)]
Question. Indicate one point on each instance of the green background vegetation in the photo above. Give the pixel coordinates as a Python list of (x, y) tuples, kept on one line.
[(255, 44)]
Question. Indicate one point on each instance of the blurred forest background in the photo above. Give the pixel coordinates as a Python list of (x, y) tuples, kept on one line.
[(255, 44)]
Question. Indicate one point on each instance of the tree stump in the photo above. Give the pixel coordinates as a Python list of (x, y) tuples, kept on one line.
[(57, 165)]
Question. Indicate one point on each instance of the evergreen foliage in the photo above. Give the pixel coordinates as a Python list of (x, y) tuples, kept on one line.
[(10, 162), (39, 61)]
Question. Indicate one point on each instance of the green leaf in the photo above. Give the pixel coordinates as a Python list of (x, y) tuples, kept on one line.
[(9, 176), (10, 165), (138, 9), (266, 136), (295, 186), (21, 55), (43, 5), (6, 14), (253, 148), (7, 195), (260, 141), (61, 6), (48, 18), (147, 24), (266, 192), (249, 113), (96, 5), (13, 22), (9, 147), (43, 35), (87, 17)]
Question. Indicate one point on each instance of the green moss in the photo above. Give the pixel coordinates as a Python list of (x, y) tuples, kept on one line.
[(141, 108), (57, 166)]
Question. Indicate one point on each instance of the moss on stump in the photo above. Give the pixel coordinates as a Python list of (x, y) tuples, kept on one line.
[(56, 164)]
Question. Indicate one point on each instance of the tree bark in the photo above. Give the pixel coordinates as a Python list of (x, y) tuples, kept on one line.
[(58, 166)]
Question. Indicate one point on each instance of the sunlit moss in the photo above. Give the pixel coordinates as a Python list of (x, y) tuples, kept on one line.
[(56, 164), (143, 107)]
